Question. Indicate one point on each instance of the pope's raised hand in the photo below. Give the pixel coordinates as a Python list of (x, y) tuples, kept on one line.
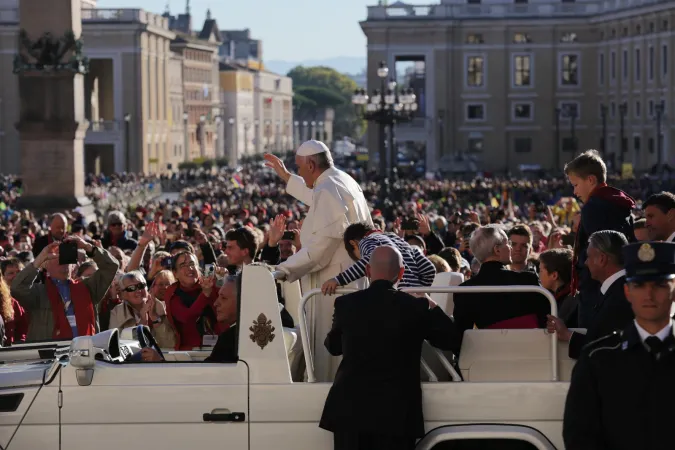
[(278, 166)]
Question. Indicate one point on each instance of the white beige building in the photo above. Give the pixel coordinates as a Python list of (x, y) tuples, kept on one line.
[(126, 94), (494, 77)]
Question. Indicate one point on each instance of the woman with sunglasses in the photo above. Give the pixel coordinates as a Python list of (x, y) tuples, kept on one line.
[(189, 304), (138, 307)]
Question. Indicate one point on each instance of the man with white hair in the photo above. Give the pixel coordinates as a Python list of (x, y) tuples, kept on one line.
[(116, 234), (335, 201), (490, 245)]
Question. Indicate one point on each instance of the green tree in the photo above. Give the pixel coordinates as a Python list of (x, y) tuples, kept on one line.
[(318, 88)]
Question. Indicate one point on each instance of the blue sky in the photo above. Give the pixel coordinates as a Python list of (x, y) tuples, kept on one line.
[(292, 30)]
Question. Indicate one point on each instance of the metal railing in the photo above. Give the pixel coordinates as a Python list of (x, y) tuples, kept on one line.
[(306, 347)]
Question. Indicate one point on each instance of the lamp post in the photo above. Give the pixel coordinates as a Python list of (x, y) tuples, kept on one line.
[(313, 131), (277, 136), (220, 140), (256, 132), (321, 131), (296, 134), (305, 133), (268, 123), (603, 146), (186, 144), (247, 125), (286, 137), (127, 151), (386, 106), (202, 134), (623, 107), (234, 145), (572, 113), (661, 158), (557, 112)]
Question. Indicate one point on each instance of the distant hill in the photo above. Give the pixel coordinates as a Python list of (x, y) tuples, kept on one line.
[(343, 64)]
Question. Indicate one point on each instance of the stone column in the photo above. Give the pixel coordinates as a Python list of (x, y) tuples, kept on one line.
[(52, 123)]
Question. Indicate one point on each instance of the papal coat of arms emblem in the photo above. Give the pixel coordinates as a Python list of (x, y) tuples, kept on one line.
[(262, 331), (646, 253)]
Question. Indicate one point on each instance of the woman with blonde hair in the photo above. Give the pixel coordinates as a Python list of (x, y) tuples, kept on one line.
[(14, 316)]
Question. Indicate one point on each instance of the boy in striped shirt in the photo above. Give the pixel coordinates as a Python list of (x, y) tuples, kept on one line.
[(361, 239)]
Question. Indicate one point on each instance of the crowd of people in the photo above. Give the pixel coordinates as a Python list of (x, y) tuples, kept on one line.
[(172, 265)]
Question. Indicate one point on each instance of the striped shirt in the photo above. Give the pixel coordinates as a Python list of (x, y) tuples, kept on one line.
[(418, 270)]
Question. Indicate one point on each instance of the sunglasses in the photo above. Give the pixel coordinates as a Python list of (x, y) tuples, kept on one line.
[(118, 224), (135, 287)]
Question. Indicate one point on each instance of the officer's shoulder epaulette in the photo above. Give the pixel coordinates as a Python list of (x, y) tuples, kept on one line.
[(611, 341)]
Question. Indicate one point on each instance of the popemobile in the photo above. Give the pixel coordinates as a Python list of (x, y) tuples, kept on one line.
[(88, 393)]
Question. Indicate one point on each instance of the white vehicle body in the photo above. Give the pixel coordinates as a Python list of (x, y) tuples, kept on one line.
[(81, 403)]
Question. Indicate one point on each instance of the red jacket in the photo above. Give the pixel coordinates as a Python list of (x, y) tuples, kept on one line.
[(183, 319), (17, 328), (85, 316)]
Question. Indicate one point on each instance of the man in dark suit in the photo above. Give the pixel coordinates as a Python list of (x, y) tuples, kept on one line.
[(613, 312), (376, 399), (490, 245)]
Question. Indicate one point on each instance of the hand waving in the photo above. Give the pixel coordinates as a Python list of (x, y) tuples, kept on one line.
[(277, 228), (151, 232), (278, 166)]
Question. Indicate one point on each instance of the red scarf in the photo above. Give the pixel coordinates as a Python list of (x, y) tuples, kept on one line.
[(83, 306), (574, 284)]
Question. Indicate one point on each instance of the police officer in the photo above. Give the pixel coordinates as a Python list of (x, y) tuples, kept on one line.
[(621, 394)]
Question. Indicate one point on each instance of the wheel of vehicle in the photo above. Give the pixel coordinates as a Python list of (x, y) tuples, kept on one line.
[(147, 340)]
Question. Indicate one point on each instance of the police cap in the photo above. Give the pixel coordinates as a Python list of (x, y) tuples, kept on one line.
[(648, 261)]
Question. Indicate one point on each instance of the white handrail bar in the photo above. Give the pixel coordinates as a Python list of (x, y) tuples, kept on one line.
[(309, 361)]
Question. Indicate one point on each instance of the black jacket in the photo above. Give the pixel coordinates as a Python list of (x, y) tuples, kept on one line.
[(620, 396), (613, 312), (123, 243), (225, 349), (484, 310), (379, 331)]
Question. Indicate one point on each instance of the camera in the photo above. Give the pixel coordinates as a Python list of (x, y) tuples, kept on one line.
[(410, 224), (288, 236), (209, 270)]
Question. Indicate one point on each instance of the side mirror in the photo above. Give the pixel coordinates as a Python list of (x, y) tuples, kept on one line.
[(82, 358)]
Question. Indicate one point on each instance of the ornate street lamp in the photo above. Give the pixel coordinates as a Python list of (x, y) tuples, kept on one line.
[(386, 107)]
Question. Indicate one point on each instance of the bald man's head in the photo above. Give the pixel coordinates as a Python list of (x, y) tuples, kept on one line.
[(57, 226), (386, 263)]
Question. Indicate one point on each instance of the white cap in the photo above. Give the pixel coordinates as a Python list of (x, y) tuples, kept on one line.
[(312, 147)]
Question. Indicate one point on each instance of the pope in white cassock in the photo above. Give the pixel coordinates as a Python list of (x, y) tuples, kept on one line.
[(335, 201)]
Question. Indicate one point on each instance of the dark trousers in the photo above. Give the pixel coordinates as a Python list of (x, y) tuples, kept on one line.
[(368, 441)]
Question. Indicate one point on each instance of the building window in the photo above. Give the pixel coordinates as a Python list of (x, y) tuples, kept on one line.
[(624, 32), (650, 108), (651, 27), (650, 64), (523, 111), (636, 144), (569, 110), (520, 2), (475, 112), (638, 29), (664, 60), (613, 33), (568, 38), (650, 144), (612, 110), (602, 35), (521, 38), (522, 144), (475, 71), (522, 70), (664, 25), (624, 64), (638, 109), (570, 70), (638, 64), (601, 69), (612, 66), (474, 38), (473, 2), (475, 145)]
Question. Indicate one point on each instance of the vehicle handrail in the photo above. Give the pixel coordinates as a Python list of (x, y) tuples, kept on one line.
[(309, 360)]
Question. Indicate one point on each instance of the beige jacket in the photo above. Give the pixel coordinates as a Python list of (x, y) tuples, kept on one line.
[(122, 317)]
